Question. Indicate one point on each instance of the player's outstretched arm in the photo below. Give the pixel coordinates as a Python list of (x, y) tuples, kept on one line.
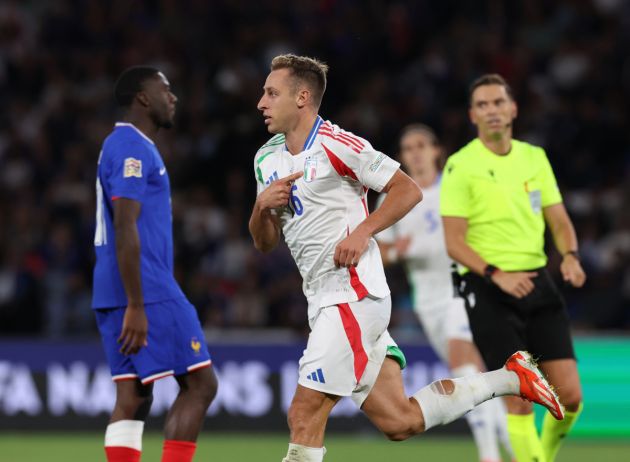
[(134, 330), (263, 225), (402, 195)]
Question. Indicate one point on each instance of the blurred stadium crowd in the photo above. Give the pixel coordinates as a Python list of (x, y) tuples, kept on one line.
[(392, 63)]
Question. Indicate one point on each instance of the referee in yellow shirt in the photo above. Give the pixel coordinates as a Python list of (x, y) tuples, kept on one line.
[(497, 194)]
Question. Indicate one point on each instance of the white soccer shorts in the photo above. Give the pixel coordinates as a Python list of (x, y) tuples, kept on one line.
[(346, 348), (445, 321)]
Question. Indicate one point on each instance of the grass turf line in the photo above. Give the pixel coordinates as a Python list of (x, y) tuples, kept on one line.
[(221, 447)]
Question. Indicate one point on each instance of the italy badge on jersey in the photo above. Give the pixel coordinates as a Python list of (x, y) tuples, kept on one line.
[(132, 168), (310, 170)]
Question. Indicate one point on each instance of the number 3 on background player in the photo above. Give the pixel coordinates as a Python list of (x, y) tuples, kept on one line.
[(296, 204)]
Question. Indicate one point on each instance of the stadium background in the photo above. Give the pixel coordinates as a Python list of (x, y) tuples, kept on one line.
[(392, 63)]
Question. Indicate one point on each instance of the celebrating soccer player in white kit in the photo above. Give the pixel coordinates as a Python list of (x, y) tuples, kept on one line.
[(418, 241), (312, 182)]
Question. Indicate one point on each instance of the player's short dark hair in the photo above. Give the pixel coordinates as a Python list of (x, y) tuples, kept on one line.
[(129, 83), (489, 79), (309, 70)]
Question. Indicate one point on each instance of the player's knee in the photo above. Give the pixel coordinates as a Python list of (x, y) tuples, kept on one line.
[(296, 420), (401, 431), (145, 406), (135, 407), (402, 428), (397, 435), (571, 399), (302, 420), (206, 388)]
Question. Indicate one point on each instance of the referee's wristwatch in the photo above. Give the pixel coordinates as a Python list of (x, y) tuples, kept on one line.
[(574, 253), (488, 272)]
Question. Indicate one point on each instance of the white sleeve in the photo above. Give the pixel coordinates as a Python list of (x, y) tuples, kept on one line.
[(260, 184), (355, 157)]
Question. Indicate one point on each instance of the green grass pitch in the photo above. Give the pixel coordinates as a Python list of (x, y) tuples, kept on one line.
[(58, 447)]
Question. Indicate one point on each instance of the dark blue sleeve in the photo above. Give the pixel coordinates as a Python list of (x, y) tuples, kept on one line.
[(128, 172)]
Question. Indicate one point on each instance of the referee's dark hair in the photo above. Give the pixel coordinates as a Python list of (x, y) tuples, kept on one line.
[(129, 83), (489, 79)]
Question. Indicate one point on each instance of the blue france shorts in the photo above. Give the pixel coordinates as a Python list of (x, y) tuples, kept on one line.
[(176, 344)]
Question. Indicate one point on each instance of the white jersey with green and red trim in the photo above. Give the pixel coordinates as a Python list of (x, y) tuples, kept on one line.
[(326, 204)]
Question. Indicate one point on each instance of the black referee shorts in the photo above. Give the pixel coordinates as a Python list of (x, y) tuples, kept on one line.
[(502, 324)]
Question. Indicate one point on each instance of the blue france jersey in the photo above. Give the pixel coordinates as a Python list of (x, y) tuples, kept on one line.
[(130, 166)]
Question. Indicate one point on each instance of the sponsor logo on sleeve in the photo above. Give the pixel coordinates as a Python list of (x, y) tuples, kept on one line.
[(377, 163), (132, 168)]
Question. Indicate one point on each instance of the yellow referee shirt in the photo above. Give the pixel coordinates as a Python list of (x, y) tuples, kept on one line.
[(502, 198)]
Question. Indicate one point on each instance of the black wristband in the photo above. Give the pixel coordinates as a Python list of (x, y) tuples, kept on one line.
[(572, 252), (489, 271)]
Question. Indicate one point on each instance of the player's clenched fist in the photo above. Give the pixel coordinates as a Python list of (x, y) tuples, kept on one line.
[(278, 192)]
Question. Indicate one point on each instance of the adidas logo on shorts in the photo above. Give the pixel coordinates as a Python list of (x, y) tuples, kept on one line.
[(317, 376)]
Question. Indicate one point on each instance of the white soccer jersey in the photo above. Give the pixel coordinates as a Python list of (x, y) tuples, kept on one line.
[(427, 262), (327, 203)]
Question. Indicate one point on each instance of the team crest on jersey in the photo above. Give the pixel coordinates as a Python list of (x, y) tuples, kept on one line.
[(132, 168), (310, 170), (195, 345)]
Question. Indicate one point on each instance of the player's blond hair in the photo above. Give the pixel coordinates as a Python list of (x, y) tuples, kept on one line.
[(310, 71)]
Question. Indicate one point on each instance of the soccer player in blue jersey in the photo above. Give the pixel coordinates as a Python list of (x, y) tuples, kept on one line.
[(148, 327)]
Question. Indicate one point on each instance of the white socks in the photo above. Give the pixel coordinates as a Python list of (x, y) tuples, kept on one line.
[(440, 407), (298, 453), (482, 421), (125, 433)]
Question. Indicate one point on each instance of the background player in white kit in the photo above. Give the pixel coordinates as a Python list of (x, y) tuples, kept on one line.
[(312, 180), (418, 240)]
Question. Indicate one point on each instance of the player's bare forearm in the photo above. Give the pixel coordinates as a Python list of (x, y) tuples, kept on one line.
[(566, 242), (518, 284), (264, 229), (128, 256), (561, 228), (455, 229), (134, 329), (402, 195), (126, 212)]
